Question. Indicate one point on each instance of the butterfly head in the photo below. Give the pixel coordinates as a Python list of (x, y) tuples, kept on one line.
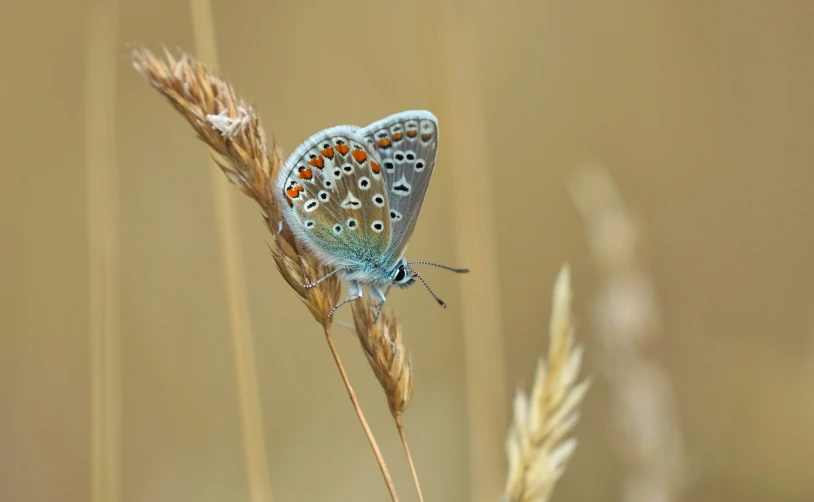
[(401, 275)]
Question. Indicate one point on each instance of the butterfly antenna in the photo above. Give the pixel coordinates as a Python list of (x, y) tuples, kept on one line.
[(456, 270), (440, 301)]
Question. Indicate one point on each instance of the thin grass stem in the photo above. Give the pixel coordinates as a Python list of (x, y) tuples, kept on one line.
[(356, 406)]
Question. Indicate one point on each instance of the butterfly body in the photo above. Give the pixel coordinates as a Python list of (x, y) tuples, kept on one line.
[(352, 196)]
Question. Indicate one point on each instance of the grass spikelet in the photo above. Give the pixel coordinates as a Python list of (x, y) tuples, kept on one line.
[(233, 131), (381, 341), (538, 447), (627, 320)]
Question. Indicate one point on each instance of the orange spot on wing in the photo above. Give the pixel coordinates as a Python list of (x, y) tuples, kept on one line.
[(426, 137), (328, 152), (360, 156), (411, 133), (343, 149), (287, 199), (375, 167), (307, 174), (317, 162), (384, 142), (294, 192), (397, 136)]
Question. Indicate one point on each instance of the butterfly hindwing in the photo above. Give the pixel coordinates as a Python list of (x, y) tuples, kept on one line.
[(336, 197), (406, 143)]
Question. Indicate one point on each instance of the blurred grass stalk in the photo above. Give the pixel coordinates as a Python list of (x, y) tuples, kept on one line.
[(103, 253), (254, 442), (451, 49), (626, 319)]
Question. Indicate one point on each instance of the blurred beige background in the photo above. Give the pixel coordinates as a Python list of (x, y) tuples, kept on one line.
[(702, 112)]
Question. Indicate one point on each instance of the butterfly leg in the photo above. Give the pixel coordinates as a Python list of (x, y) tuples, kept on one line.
[(354, 293), (383, 297), (309, 286)]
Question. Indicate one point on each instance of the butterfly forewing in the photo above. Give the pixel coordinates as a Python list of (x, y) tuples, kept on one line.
[(335, 197), (406, 143)]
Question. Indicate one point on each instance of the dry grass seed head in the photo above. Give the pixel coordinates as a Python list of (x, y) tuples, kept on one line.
[(233, 131), (387, 355), (536, 446)]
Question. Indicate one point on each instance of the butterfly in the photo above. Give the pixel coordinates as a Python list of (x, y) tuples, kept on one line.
[(352, 197)]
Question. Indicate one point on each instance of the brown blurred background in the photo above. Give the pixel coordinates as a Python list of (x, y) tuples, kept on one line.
[(702, 113)]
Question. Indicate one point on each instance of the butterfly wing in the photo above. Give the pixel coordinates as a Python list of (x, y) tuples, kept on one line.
[(335, 197), (406, 143)]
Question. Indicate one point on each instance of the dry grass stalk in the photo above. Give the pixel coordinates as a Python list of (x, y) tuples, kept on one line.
[(387, 355), (451, 36), (102, 192), (234, 274), (648, 434), (233, 131), (536, 446)]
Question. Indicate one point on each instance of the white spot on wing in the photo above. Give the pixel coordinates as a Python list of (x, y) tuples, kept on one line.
[(401, 187), (351, 202)]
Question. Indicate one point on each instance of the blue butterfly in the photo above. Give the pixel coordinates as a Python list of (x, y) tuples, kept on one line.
[(352, 197)]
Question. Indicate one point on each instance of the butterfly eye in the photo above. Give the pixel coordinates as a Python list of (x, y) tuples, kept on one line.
[(401, 274)]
